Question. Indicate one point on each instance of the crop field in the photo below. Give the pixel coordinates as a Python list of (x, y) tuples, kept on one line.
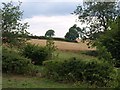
[(64, 46)]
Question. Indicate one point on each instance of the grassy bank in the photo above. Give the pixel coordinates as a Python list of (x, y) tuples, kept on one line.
[(21, 81)]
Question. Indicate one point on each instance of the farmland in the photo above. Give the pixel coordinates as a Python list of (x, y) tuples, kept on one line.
[(64, 46), (65, 50)]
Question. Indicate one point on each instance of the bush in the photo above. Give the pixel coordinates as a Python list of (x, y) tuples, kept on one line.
[(36, 53), (93, 72), (110, 41), (51, 48), (12, 62)]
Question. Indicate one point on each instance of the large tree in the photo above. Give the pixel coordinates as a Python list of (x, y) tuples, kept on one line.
[(50, 33), (111, 42), (96, 16), (13, 30), (72, 34)]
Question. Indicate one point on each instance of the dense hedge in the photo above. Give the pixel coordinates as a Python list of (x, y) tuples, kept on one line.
[(12, 62), (36, 53), (118, 78), (54, 38), (94, 72)]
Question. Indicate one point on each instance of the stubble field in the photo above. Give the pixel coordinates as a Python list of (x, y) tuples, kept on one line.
[(64, 46)]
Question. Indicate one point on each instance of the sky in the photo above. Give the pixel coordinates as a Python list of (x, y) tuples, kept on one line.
[(43, 15)]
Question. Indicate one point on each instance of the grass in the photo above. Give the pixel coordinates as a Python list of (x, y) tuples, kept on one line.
[(62, 55), (21, 81), (18, 81)]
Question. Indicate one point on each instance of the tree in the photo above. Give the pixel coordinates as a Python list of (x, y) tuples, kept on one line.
[(97, 16), (72, 34), (50, 33), (111, 41), (13, 30)]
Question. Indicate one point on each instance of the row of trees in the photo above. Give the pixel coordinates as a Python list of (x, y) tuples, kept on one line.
[(71, 35)]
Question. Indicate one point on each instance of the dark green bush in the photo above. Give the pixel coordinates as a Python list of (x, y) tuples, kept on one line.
[(12, 62), (36, 53), (110, 41), (94, 72)]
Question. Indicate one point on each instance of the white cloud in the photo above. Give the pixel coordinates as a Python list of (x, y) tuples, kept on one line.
[(60, 24)]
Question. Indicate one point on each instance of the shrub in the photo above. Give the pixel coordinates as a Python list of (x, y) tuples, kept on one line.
[(94, 72), (51, 48), (110, 41), (36, 53), (12, 62)]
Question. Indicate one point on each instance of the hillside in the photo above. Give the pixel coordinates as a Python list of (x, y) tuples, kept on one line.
[(64, 46)]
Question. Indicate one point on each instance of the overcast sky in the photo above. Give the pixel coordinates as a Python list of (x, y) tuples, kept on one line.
[(43, 15)]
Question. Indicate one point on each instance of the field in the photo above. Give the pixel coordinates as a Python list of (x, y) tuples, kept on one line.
[(64, 46), (65, 51)]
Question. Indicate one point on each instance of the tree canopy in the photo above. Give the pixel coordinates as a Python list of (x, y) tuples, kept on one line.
[(111, 41), (102, 28), (72, 34), (97, 16), (50, 33), (13, 30)]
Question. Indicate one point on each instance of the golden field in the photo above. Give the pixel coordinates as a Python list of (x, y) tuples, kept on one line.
[(62, 45)]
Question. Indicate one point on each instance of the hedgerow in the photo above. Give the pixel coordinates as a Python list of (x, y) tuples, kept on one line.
[(94, 72)]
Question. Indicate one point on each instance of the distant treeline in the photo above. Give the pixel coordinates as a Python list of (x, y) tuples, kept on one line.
[(54, 38)]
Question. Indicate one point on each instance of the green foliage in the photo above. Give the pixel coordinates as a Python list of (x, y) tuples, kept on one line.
[(39, 54), (118, 77), (51, 48), (111, 42), (97, 16), (50, 33), (12, 62), (98, 73), (72, 34), (103, 54), (36, 53), (13, 31)]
